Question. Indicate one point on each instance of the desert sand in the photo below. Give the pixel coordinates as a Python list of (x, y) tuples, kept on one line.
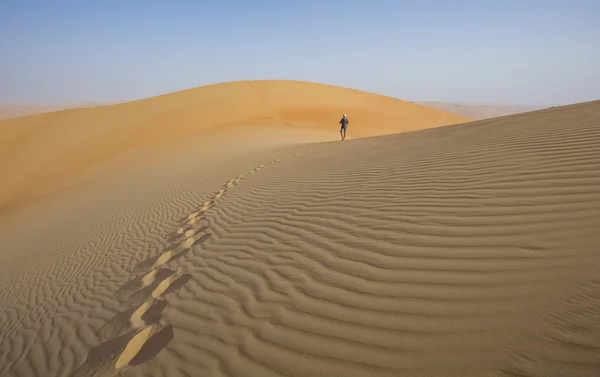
[(226, 231)]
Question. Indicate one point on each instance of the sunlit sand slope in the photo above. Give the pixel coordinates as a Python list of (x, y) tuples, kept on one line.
[(47, 153)]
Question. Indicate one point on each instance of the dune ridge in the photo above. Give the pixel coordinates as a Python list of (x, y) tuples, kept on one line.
[(46, 154), (467, 250)]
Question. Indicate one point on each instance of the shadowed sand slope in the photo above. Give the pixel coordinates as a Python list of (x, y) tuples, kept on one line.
[(43, 153), (469, 250)]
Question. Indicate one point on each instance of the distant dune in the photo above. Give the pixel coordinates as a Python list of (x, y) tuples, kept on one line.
[(14, 111), (480, 112), (8, 111), (226, 231), (46, 152), (476, 112)]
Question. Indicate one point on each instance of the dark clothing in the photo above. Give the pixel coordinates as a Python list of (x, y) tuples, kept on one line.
[(344, 122)]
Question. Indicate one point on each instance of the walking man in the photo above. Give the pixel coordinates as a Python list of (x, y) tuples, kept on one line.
[(344, 122)]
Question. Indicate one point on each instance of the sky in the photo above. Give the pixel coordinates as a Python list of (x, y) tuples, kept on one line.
[(525, 52)]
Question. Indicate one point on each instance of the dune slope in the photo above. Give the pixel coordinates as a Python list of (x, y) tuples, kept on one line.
[(469, 250), (47, 153)]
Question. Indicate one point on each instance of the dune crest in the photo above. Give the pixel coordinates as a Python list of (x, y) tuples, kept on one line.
[(44, 154)]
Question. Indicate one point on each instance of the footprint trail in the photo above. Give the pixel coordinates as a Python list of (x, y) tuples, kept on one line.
[(139, 333)]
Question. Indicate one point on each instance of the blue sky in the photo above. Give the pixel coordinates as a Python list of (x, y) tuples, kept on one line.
[(504, 52)]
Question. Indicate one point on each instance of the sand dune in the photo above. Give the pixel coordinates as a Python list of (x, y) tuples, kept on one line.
[(8, 111), (15, 111), (468, 250), (48, 153), (480, 112)]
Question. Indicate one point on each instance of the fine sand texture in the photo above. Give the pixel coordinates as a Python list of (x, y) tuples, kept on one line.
[(480, 112), (48, 154), (466, 250)]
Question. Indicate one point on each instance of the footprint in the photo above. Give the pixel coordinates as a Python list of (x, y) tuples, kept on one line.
[(140, 282), (148, 264), (145, 294), (209, 203), (186, 232), (194, 215), (183, 247), (220, 194), (171, 285), (117, 325), (195, 220), (232, 182), (101, 359), (158, 289), (131, 349), (139, 297), (144, 346), (153, 347), (170, 255), (150, 312)]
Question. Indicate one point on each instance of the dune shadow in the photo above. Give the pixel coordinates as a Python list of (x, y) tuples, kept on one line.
[(153, 346)]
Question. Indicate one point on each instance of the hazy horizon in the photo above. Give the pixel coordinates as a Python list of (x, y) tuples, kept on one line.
[(539, 53)]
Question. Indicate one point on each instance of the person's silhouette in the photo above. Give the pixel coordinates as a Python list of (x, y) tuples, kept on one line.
[(344, 122)]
